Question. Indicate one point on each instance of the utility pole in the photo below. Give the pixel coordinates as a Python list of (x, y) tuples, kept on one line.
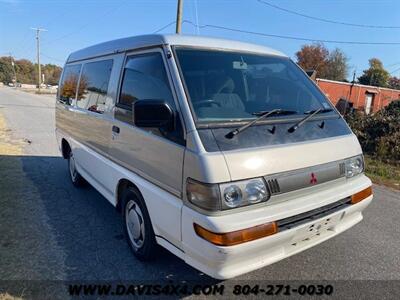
[(15, 73), (197, 17), (179, 16), (38, 30)]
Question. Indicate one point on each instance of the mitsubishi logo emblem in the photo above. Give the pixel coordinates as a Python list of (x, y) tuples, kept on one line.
[(313, 179)]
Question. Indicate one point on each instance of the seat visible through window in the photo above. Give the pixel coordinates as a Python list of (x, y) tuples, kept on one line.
[(226, 97)]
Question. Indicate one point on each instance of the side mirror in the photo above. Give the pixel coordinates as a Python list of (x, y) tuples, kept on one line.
[(153, 113)]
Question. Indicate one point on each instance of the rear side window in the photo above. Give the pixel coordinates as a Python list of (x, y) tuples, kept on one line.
[(93, 85), (69, 83)]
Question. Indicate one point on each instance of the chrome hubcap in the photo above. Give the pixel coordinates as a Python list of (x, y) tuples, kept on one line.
[(135, 224), (72, 169)]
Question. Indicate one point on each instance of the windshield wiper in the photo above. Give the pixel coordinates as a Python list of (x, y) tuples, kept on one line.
[(321, 111), (302, 121), (262, 115), (281, 112)]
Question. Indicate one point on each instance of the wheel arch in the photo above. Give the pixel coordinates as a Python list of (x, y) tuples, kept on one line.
[(65, 148), (121, 186)]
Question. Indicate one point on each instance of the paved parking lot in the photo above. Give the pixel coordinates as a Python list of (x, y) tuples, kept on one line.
[(52, 231)]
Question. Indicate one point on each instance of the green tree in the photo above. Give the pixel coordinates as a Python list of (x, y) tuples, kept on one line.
[(25, 71), (379, 133), (51, 74), (337, 65), (6, 70), (375, 75)]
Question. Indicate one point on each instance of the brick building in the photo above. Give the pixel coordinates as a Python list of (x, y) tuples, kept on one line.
[(363, 97)]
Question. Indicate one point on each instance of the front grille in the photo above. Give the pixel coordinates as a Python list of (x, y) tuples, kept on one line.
[(311, 215), (273, 186), (292, 180), (342, 169)]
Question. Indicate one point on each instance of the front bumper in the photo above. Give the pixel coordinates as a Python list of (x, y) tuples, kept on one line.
[(227, 262)]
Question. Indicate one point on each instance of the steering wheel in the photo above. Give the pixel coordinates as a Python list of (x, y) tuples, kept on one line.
[(207, 102)]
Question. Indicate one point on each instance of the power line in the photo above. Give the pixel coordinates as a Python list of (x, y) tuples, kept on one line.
[(25, 45), (326, 20), (398, 69), (53, 58), (166, 26), (22, 43), (392, 65), (62, 61), (291, 37), (109, 12)]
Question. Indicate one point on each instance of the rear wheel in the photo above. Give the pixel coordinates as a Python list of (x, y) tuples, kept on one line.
[(76, 178), (137, 225)]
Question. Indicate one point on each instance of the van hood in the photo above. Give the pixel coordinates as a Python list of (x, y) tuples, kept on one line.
[(258, 152), (265, 161)]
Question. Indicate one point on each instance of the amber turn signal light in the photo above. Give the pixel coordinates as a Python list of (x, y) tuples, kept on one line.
[(365, 193), (236, 237)]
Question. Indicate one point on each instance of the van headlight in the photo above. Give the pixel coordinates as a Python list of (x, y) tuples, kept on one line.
[(256, 191), (242, 193), (354, 166), (225, 196), (232, 196)]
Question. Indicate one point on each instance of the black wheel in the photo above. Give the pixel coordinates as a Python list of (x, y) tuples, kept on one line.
[(137, 225), (76, 178)]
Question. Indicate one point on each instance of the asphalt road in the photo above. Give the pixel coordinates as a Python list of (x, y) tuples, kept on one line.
[(50, 230)]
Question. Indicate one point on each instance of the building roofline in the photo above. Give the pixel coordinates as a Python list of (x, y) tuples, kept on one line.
[(357, 84)]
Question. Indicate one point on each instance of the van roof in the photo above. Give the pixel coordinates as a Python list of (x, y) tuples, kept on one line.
[(143, 41)]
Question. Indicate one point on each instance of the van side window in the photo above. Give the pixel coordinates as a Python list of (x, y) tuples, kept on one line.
[(145, 78), (69, 84), (93, 85)]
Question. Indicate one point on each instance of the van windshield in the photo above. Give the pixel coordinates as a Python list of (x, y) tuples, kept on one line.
[(232, 86)]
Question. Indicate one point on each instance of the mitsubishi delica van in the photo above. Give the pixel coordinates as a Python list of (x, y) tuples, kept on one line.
[(225, 153)]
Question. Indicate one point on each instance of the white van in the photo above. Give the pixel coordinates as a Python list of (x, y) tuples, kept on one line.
[(225, 153)]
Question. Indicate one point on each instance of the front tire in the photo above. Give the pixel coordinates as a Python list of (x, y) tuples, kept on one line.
[(137, 226), (76, 178)]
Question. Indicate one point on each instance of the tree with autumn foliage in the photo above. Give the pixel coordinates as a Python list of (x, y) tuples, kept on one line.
[(313, 57), (27, 71), (68, 89), (51, 73), (329, 65)]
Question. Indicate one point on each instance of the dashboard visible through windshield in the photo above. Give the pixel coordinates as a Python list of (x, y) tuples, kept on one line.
[(228, 86)]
